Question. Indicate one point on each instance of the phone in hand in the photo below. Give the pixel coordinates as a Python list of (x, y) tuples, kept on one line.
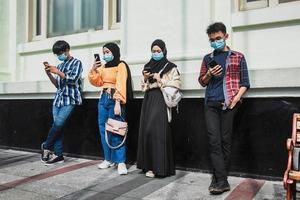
[(45, 63), (147, 70), (212, 64), (97, 57)]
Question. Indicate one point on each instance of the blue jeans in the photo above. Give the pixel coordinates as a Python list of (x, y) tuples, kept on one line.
[(55, 136), (106, 110)]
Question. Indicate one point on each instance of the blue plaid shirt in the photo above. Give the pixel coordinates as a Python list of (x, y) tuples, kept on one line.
[(69, 89)]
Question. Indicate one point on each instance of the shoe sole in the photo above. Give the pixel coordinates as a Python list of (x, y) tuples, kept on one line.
[(59, 162), (111, 165), (214, 192), (150, 176), (104, 167)]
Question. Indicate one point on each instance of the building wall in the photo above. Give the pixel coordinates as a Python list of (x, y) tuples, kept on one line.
[(267, 36), (261, 128), (4, 33), (260, 34)]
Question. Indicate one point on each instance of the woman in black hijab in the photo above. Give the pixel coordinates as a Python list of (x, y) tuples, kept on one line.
[(114, 79), (155, 147)]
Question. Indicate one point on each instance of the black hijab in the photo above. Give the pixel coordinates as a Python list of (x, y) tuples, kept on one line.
[(155, 66), (115, 50)]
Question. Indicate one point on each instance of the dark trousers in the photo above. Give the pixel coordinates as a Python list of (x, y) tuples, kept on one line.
[(219, 125)]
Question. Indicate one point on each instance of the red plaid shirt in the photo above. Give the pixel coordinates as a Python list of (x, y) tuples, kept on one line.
[(236, 75)]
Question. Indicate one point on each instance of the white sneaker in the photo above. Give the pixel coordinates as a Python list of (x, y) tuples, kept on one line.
[(150, 174), (105, 164), (122, 170)]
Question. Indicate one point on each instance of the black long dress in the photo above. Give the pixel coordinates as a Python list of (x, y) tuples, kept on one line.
[(155, 149)]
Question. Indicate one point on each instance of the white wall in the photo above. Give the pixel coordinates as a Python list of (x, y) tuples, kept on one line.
[(4, 34), (268, 37)]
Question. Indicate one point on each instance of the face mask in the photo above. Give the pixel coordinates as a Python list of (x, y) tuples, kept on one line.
[(157, 56), (62, 57), (108, 57), (218, 44)]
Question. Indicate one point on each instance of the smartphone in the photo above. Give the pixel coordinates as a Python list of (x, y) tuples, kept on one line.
[(97, 57), (147, 69), (212, 64)]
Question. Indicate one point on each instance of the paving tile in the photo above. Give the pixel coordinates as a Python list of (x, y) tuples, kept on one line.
[(114, 181), (33, 168), (152, 186), (179, 191), (4, 178), (15, 194), (45, 187), (271, 190), (79, 195)]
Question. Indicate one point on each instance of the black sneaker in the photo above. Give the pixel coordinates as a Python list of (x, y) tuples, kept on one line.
[(213, 183), (45, 154), (220, 187), (54, 159)]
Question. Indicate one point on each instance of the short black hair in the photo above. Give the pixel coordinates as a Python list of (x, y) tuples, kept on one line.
[(60, 46), (216, 27)]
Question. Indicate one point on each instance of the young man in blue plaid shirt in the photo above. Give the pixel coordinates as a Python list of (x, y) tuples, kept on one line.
[(66, 77)]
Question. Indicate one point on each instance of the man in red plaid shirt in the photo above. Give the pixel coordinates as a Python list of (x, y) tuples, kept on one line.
[(224, 73)]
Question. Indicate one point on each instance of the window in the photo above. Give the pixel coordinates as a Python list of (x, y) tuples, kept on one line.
[(285, 1), (115, 8), (118, 11), (74, 16), (37, 19), (50, 18), (254, 4), (38, 26)]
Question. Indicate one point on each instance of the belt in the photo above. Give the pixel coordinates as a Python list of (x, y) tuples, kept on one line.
[(215, 104)]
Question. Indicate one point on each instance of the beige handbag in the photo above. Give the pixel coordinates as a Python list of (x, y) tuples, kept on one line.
[(116, 127)]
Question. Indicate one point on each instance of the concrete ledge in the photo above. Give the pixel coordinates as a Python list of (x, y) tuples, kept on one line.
[(264, 83)]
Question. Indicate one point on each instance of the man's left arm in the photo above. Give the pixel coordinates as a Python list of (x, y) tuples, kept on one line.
[(244, 83)]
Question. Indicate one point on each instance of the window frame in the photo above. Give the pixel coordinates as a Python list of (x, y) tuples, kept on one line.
[(288, 1), (109, 20), (32, 15), (243, 5), (113, 15)]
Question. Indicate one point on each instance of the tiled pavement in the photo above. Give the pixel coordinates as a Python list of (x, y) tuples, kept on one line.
[(23, 176)]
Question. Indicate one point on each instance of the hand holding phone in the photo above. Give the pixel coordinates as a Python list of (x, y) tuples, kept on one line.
[(97, 57), (147, 70), (97, 62), (46, 66), (214, 68), (45, 63), (212, 64)]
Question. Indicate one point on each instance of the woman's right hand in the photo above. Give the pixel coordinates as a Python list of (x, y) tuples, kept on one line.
[(96, 65)]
